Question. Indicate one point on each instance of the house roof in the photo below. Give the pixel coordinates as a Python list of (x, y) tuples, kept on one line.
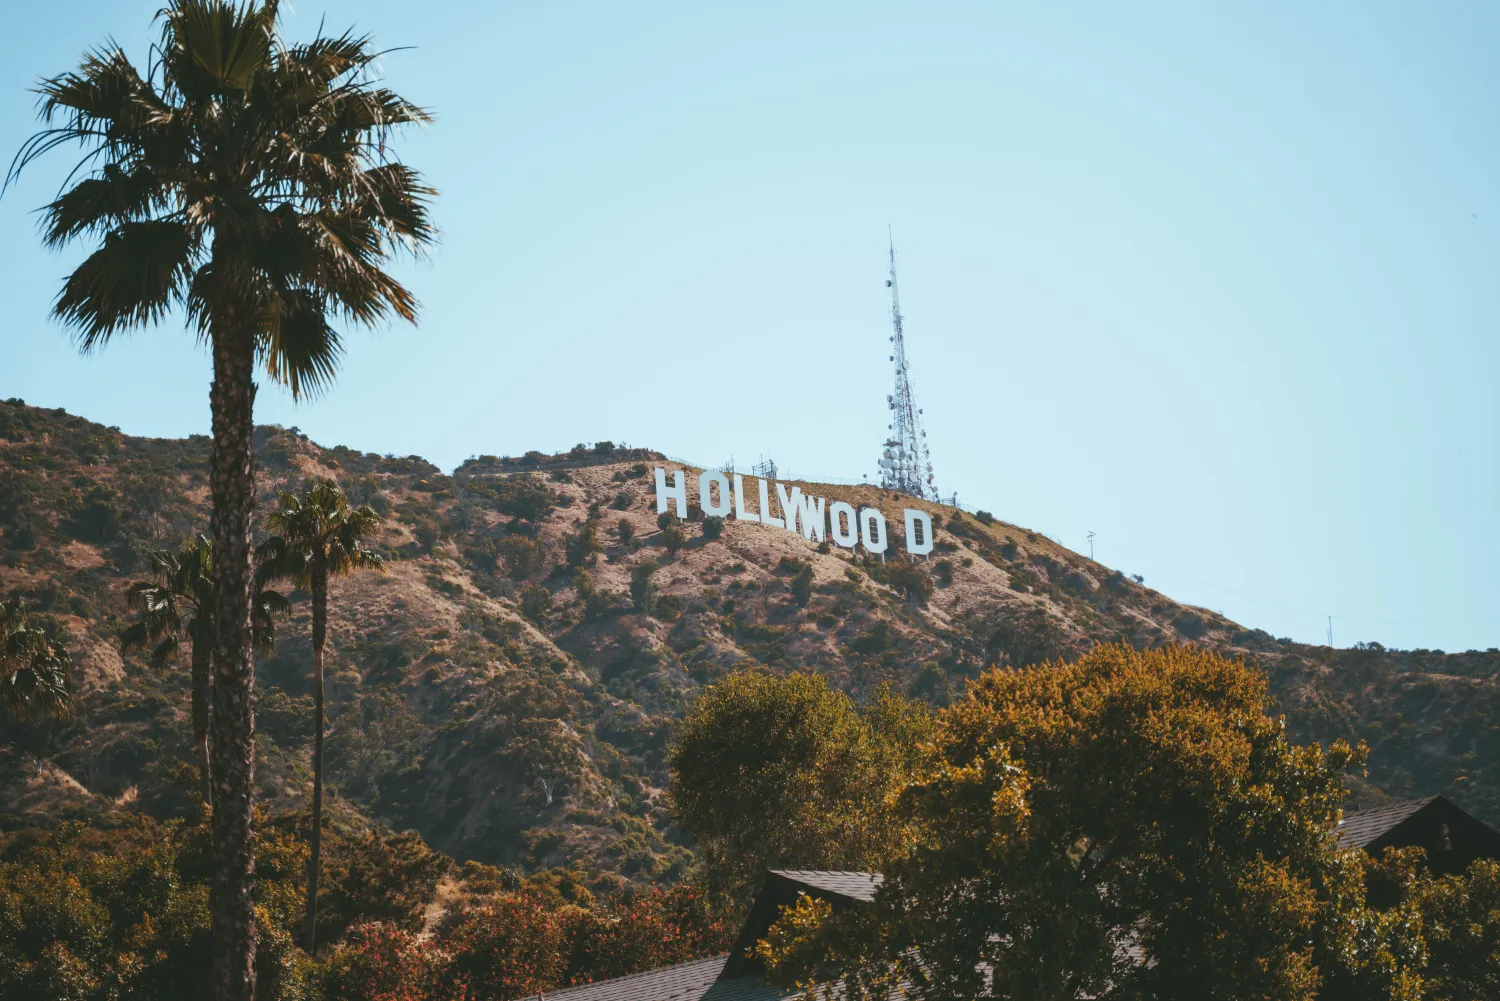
[(1358, 830), (854, 885), (699, 980)]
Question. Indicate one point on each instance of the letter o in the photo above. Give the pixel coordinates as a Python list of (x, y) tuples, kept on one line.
[(872, 530), (843, 525), (706, 481)]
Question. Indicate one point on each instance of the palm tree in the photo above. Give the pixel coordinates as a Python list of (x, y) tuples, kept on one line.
[(249, 183), (314, 540), (36, 676), (179, 602)]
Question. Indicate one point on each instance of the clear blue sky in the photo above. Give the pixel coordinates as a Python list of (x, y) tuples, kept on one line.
[(1221, 286)]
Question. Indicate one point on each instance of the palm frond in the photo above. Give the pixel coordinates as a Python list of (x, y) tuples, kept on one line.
[(132, 280)]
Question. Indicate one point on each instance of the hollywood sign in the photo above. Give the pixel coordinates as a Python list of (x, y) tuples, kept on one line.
[(813, 517)]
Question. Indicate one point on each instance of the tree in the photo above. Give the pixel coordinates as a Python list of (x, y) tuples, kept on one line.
[(713, 527), (36, 675), (673, 538), (315, 539), (249, 183), (774, 771), (1134, 825), (179, 602)]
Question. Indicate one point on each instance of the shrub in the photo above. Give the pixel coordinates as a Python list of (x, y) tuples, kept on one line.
[(673, 538), (625, 529), (581, 547), (910, 580), (802, 586), (713, 527), (523, 557), (642, 587), (664, 519), (623, 500), (984, 517), (536, 601), (943, 570)]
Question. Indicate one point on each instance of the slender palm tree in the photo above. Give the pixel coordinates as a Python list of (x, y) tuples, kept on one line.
[(178, 602), (314, 540), (36, 676), (250, 184)]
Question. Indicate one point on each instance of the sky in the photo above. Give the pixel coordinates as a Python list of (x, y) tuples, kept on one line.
[(1218, 283)]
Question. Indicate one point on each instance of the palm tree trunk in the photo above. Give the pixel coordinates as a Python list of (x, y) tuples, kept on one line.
[(201, 682), (232, 484), (319, 635)]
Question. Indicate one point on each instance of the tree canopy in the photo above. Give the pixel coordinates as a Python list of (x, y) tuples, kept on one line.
[(780, 771), (1132, 825)]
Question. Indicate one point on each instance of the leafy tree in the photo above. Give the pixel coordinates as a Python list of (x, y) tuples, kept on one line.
[(314, 540), (772, 771), (178, 602), (1460, 918), (374, 876), (250, 183), (36, 675), (524, 497), (642, 587), (1131, 825), (713, 527)]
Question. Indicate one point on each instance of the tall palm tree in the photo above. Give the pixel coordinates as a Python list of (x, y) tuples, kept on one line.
[(249, 183), (314, 540), (178, 602), (36, 676)]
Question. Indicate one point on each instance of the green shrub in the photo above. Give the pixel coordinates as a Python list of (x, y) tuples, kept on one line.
[(713, 527), (535, 602), (623, 500), (984, 517), (582, 547), (673, 538), (626, 531), (523, 557), (642, 587), (802, 586), (910, 580)]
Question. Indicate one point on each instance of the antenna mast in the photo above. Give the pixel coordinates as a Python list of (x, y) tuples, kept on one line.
[(905, 464)]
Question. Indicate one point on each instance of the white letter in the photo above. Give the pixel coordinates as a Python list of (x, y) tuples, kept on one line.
[(706, 480), (918, 532), (677, 493), (872, 530), (739, 501), (765, 507), (789, 505), (812, 517), (843, 524)]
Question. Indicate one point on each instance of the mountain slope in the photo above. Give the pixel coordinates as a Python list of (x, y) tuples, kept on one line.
[(538, 739)]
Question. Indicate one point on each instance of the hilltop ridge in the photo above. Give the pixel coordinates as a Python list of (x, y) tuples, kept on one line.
[(515, 711)]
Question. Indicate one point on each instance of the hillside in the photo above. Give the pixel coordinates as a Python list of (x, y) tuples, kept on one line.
[(485, 695)]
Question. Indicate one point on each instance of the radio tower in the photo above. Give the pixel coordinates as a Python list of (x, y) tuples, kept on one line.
[(905, 464)]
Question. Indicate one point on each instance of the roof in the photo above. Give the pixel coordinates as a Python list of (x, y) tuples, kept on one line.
[(1358, 830), (698, 980), (855, 885)]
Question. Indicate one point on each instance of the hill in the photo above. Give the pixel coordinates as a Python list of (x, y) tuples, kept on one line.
[(516, 712)]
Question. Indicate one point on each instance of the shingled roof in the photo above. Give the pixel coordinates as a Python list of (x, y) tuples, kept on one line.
[(700, 980), (1358, 830)]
